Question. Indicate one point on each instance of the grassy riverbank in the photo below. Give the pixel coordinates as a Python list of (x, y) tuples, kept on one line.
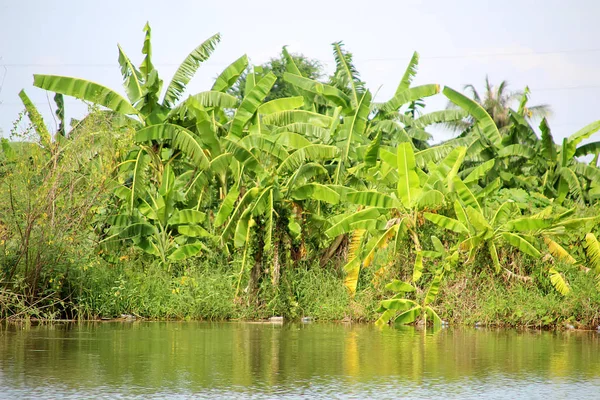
[(206, 291)]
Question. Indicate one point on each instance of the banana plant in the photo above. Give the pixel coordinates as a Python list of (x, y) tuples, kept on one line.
[(189, 129), (142, 84), (356, 121), (156, 223), (385, 215), (531, 162), (402, 310), (280, 179), (565, 175), (483, 228), (521, 157), (592, 249)]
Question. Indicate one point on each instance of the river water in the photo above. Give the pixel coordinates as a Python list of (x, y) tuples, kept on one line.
[(252, 360)]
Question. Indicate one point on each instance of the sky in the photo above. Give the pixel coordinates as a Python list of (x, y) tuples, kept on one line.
[(552, 48)]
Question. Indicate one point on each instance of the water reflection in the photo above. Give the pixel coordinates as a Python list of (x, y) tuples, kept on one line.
[(262, 360)]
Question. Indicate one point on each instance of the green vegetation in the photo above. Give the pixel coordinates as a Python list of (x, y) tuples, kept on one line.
[(274, 193)]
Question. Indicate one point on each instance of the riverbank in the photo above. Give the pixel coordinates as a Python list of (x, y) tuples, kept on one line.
[(205, 292)]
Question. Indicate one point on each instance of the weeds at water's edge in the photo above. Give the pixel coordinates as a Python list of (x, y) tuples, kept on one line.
[(207, 293)]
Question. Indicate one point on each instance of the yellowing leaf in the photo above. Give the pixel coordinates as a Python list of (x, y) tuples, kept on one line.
[(559, 283)]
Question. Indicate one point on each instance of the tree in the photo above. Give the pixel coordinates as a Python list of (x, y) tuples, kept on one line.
[(308, 67), (497, 101)]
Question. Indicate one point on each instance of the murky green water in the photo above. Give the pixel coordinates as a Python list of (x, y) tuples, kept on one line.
[(228, 360)]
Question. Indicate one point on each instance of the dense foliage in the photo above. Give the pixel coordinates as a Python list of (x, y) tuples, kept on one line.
[(261, 185)]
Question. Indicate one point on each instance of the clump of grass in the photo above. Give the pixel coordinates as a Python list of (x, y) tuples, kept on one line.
[(490, 299), (201, 292)]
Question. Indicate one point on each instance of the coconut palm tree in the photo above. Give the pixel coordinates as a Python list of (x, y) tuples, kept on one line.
[(497, 102)]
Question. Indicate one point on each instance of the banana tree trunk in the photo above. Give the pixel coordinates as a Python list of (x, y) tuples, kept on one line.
[(276, 268), (256, 271)]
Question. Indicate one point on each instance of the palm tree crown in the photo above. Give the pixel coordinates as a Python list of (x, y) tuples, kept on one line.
[(497, 101)]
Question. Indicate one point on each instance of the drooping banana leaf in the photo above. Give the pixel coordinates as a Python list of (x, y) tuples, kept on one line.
[(213, 98), (410, 95), (465, 194), (400, 286), (138, 185), (434, 288), (187, 217), (264, 144), (588, 148), (230, 75), (521, 244), (372, 198), (289, 117), (84, 90), (446, 222), (479, 171), (592, 250), (559, 282), (345, 224), (437, 117), (528, 224), (227, 206), (242, 154), (333, 94), (181, 138), (494, 256), (433, 316), (308, 153), (558, 251), (577, 137), (486, 123), (241, 207), (282, 104), (516, 150), (316, 191), (408, 317), (59, 100), (548, 146), (186, 251), (372, 153)]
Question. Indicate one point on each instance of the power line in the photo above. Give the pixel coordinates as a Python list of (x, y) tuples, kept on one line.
[(475, 55), (564, 88), (434, 57)]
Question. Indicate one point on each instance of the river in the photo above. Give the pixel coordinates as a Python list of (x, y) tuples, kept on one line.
[(317, 360)]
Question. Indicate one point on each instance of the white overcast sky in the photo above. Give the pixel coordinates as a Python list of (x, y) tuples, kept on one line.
[(552, 46)]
